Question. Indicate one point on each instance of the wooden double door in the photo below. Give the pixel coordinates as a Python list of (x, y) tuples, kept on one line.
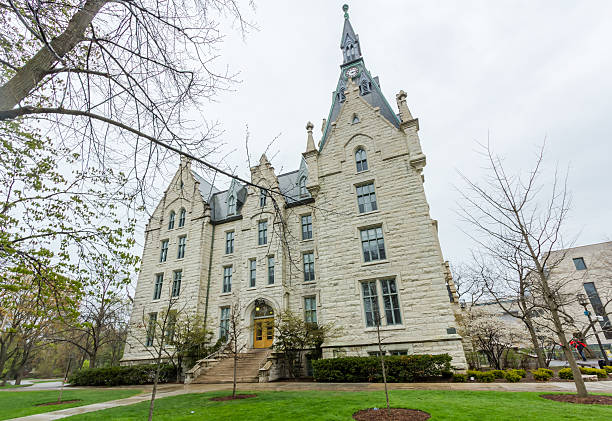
[(263, 332)]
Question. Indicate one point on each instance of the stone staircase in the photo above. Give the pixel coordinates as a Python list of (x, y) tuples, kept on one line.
[(247, 369)]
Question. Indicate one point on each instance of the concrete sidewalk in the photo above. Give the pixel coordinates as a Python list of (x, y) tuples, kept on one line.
[(173, 390)]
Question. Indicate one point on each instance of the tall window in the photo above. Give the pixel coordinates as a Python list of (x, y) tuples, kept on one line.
[(252, 272), (598, 308), (579, 263), (157, 289), (270, 270), (231, 205), (163, 255), (263, 195), (373, 244), (303, 190), (262, 229), (176, 284), (310, 309), (306, 227), (181, 247), (170, 327), (224, 325), (227, 279), (391, 302), (182, 216), (370, 303), (229, 242), (361, 160), (366, 198), (309, 274), (171, 220), (151, 329)]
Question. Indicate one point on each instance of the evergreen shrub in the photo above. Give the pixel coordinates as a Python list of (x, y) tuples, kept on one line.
[(122, 375)]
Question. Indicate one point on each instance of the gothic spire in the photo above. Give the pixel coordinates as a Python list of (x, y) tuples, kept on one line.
[(349, 44)]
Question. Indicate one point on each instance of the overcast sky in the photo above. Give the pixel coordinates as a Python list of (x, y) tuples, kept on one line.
[(519, 71)]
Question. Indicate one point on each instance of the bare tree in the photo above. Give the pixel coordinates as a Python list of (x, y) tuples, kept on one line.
[(234, 333), (517, 220)]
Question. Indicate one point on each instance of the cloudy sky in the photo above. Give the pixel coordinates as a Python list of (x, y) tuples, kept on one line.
[(516, 71)]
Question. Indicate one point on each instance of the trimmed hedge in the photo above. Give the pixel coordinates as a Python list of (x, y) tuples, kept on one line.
[(400, 368), (566, 373), (608, 369), (542, 374), (512, 376), (122, 375), (459, 378)]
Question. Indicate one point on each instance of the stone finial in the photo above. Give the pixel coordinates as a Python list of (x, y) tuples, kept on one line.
[(310, 145), (185, 161), (323, 125), (402, 106), (345, 10), (263, 160)]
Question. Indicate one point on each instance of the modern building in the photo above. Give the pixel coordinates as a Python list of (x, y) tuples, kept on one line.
[(345, 237)]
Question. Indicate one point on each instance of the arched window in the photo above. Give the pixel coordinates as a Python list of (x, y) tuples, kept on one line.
[(171, 220), (231, 205), (182, 216), (361, 160), (303, 190), (262, 310)]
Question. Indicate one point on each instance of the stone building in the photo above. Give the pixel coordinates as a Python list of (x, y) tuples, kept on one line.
[(345, 235)]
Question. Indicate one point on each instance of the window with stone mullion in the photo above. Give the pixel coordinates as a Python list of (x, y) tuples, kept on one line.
[(262, 233), (252, 272), (151, 329), (164, 251), (181, 247), (391, 301), (373, 244), (310, 310), (309, 274), (157, 290), (270, 270), (176, 284), (306, 227), (366, 198), (227, 279), (224, 322), (229, 242), (370, 303)]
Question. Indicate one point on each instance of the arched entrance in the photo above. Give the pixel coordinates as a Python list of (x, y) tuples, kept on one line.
[(263, 325)]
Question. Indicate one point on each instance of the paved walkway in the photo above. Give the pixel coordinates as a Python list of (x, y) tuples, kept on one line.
[(173, 390)]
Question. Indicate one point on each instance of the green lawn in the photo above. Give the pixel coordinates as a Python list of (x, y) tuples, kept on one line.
[(319, 405), (19, 404), (12, 386)]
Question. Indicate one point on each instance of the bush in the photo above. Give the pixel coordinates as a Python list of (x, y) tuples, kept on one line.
[(566, 374), (512, 376), (542, 374), (601, 374), (521, 372), (118, 376), (400, 368), (608, 368), (482, 376), (459, 378), (499, 374)]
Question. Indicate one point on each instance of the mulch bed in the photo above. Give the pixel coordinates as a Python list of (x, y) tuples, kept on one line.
[(58, 403), (231, 398), (591, 399), (394, 414)]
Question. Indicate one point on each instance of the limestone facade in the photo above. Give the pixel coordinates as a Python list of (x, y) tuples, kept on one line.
[(366, 149)]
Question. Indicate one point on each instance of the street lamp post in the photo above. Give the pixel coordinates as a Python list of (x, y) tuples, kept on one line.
[(582, 299)]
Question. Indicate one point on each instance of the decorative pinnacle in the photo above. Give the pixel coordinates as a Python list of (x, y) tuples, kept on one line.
[(309, 126), (345, 9)]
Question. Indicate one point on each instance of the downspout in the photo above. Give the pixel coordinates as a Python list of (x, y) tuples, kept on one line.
[(212, 242)]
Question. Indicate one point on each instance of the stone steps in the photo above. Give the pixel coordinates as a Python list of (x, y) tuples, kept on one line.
[(247, 368)]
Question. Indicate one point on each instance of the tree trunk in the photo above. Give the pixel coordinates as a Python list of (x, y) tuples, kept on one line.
[(382, 363), (235, 367), (31, 74), (536, 344)]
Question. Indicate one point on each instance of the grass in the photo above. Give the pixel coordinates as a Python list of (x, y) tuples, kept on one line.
[(325, 405), (19, 404), (12, 386)]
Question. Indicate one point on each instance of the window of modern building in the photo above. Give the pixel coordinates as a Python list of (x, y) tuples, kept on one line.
[(231, 205), (171, 220), (263, 196), (370, 303), (400, 352), (182, 242), (579, 263), (306, 227), (309, 274), (366, 198), (270, 270), (598, 308), (303, 189), (252, 272), (157, 288), (310, 309), (224, 324), (361, 160), (182, 217), (391, 302), (151, 329), (171, 327), (262, 229), (229, 242), (163, 255), (176, 283), (373, 244), (227, 279)]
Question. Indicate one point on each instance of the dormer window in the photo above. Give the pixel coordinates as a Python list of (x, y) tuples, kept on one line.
[(171, 220), (361, 160), (303, 190), (231, 205), (182, 217)]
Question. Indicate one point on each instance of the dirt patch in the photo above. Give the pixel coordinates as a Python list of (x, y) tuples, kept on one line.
[(57, 403), (590, 400), (231, 398), (394, 414)]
